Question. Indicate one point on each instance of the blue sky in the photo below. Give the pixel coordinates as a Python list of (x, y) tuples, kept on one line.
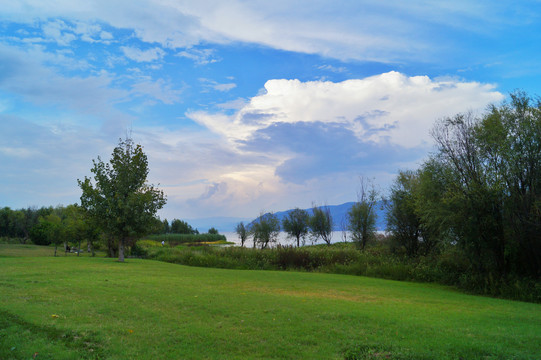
[(247, 106)]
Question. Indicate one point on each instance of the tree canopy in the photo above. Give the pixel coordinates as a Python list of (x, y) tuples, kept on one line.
[(321, 223), (265, 229), (119, 200), (295, 224)]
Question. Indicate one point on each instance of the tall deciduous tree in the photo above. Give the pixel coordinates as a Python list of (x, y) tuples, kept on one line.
[(362, 215), (295, 224), (493, 191), (120, 200), (403, 222)]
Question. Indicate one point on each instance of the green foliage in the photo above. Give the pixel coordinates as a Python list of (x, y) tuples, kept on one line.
[(362, 215), (492, 193), (321, 224), (18, 224), (295, 224), (166, 228), (213, 231), (403, 220), (176, 239), (120, 201), (181, 227), (265, 230), (242, 232)]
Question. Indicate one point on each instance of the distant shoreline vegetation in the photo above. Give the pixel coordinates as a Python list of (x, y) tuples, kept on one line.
[(176, 239)]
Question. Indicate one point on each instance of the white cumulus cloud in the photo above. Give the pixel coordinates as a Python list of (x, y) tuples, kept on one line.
[(390, 107)]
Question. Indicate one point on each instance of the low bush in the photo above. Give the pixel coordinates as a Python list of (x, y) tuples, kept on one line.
[(11, 240)]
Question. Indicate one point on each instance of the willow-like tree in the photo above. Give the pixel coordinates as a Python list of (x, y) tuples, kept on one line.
[(321, 224), (119, 200), (242, 232), (295, 224), (265, 229), (362, 215)]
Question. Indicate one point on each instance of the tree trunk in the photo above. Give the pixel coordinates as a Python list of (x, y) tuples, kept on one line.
[(55, 246), (111, 248), (79, 248), (121, 250), (92, 248)]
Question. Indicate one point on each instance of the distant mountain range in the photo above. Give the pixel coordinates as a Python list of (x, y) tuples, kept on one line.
[(338, 213)]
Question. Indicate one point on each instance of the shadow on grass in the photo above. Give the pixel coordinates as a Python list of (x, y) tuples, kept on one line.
[(20, 339)]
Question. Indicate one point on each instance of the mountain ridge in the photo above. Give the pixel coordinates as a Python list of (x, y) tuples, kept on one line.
[(339, 215)]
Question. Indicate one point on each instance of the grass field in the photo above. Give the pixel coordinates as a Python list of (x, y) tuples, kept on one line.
[(72, 308)]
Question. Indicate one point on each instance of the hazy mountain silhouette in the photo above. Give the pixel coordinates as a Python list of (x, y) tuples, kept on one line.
[(339, 215)]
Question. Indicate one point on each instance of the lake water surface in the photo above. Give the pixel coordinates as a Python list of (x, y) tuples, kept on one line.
[(283, 239)]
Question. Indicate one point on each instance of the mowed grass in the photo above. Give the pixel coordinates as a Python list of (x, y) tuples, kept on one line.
[(72, 308)]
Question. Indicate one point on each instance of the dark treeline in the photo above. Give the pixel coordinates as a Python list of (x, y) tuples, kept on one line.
[(176, 227), (17, 224), (480, 193), (61, 225), (69, 226)]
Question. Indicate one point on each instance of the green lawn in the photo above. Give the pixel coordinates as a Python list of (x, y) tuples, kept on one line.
[(71, 308)]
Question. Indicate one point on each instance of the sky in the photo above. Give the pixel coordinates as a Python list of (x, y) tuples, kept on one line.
[(247, 106)]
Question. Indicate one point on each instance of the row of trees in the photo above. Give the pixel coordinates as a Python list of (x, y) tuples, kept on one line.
[(47, 225), (17, 224), (299, 223), (266, 228), (176, 227)]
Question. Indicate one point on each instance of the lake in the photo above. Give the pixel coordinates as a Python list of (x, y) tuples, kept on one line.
[(283, 239)]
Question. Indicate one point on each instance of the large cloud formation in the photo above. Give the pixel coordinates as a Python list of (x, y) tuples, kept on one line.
[(300, 133), (353, 118)]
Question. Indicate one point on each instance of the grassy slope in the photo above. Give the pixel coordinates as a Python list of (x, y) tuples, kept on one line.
[(152, 310)]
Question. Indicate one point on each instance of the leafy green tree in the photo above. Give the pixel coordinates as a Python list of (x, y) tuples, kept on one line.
[(265, 229), (16, 223), (120, 200), (362, 215), (321, 224), (54, 231), (75, 225), (4, 221), (181, 227), (295, 224), (508, 137), (166, 229), (39, 234), (402, 220), (213, 231), (242, 232), (492, 194)]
